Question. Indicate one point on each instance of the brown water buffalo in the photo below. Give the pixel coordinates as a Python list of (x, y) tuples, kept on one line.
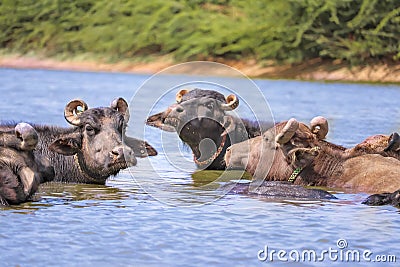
[(21, 171), (201, 119), (291, 151), (95, 148)]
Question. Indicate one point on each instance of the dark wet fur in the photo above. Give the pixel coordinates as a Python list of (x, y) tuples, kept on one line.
[(13, 164), (277, 190), (384, 199), (197, 93)]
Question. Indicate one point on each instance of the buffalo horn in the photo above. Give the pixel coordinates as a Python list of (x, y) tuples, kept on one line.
[(319, 126), (71, 111), (180, 94), (120, 105), (232, 102), (287, 132)]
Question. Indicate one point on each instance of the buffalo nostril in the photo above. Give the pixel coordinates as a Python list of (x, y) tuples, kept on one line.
[(117, 153)]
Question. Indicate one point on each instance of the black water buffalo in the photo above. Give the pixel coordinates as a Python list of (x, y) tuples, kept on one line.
[(291, 151), (384, 199), (277, 190), (21, 171), (201, 119), (95, 148)]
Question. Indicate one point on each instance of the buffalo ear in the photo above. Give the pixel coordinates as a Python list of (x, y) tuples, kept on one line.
[(67, 146), (141, 148)]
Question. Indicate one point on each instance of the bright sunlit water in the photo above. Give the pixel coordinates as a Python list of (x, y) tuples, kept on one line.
[(158, 214)]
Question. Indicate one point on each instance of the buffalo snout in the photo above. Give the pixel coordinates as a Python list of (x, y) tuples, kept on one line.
[(122, 154), (235, 158), (28, 135), (118, 153)]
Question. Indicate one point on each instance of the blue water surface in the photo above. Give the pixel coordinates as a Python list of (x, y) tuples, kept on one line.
[(158, 214)]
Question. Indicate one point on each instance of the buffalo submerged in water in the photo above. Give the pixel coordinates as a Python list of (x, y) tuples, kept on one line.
[(277, 190), (202, 115), (291, 151), (21, 171)]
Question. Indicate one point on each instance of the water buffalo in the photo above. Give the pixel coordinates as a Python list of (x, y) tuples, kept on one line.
[(291, 151), (277, 190), (95, 148), (21, 171), (384, 199), (201, 119)]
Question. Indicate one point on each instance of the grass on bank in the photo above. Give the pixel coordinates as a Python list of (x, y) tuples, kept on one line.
[(292, 31)]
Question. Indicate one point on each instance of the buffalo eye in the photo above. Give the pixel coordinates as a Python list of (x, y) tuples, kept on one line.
[(90, 130), (210, 105)]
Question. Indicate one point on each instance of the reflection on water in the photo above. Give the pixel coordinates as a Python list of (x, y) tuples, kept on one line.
[(214, 178), (158, 213), (76, 192), (77, 195)]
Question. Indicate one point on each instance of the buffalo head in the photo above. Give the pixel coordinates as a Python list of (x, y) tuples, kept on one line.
[(196, 110), (97, 140), (201, 120)]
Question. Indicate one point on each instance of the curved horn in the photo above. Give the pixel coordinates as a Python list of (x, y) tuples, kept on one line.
[(319, 126), (71, 111), (120, 105), (287, 132), (180, 94), (232, 102)]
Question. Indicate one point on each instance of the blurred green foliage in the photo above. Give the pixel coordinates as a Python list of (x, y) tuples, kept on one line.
[(281, 30)]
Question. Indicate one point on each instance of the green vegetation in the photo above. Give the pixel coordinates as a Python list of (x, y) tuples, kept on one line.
[(356, 31)]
